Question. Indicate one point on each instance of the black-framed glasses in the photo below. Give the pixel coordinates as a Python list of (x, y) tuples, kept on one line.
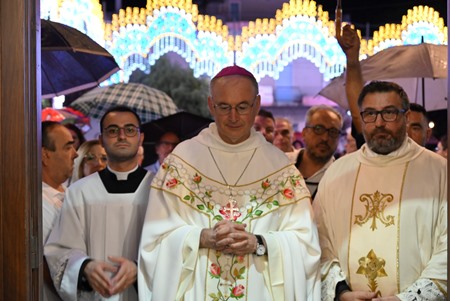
[(388, 115), (320, 130), (91, 157), (242, 109), (113, 131)]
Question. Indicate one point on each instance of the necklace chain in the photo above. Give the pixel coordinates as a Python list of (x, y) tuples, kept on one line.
[(237, 181)]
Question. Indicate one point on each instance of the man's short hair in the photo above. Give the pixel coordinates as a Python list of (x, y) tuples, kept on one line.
[(415, 107), (384, 87), (311, 111), (266, 114), (46, 128), (287, 120), (119, 109)]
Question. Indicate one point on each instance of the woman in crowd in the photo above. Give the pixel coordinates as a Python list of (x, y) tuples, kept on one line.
[(91, 158)]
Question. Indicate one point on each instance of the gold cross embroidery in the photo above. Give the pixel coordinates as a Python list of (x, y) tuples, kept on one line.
[(375, 205), (372, 267)]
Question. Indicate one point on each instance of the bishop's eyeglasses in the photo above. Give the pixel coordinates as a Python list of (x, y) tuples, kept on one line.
[(388, 115), (242, 109), (113, 131)]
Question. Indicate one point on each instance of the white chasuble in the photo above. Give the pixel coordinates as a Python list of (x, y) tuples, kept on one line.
[(188, 194), (375, 218), (382, 222)]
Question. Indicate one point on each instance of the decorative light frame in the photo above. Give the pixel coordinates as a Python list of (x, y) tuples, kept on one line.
[(137, 37)]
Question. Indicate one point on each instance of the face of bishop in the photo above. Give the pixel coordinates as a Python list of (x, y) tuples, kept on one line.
[(234, 104)]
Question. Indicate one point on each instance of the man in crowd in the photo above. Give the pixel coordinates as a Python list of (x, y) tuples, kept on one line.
[(382, 211), (163, 147), (265, 123), (92, 250), (283, 137), (58, 154), (417, 125), (442, 146), (321, 136), (229, 216)]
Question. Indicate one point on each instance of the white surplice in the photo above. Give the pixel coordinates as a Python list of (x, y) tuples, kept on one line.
[(189, 194), (383, 223), (52, 201), (95, 224)]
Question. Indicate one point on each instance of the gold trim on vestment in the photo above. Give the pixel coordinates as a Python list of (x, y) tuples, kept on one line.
[(372, 212)]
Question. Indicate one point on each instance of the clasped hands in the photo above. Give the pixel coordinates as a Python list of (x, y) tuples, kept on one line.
[(109, 279), (365, 296), (228, 237)]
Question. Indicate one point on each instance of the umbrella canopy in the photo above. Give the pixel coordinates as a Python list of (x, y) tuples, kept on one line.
[(65, 115), (71, 61), (149, 103), (420, 69), (185, 125)]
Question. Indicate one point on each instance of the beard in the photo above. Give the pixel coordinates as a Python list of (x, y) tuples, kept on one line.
[(388, 142), (321, 157)]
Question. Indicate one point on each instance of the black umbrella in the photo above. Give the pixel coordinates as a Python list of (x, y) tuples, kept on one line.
[(71, 60), (185, 125)]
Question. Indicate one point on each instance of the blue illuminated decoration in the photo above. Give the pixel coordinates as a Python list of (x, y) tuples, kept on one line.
[(301, 29), (297, 37)]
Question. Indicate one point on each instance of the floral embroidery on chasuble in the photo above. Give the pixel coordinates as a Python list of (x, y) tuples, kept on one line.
[(374, 229), (227, 275)]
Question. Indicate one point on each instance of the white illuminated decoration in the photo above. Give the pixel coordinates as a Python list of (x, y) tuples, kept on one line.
[(137, 37)]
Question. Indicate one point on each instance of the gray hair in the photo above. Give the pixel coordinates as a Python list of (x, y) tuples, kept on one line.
[(318, 108)]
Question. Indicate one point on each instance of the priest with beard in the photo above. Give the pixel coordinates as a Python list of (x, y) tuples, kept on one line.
[(382, 210)]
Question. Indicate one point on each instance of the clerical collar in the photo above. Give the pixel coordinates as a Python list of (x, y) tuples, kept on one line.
[(122, 175), (122, 182)]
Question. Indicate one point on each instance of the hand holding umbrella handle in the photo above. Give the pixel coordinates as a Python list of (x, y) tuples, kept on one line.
[(338, 19)]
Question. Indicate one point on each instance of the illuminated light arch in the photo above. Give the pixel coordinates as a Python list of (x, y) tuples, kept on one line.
[(299, 30), (138, 37), (201, 40), (420, 22), (89, 16)]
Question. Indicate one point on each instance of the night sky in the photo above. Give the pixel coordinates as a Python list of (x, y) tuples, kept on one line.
[(359, 12)]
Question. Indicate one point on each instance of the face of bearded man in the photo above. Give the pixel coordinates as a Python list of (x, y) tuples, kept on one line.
[(321, 147), (384, 137)]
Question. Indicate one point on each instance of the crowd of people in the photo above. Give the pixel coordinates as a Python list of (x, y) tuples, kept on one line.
[(239, 213)]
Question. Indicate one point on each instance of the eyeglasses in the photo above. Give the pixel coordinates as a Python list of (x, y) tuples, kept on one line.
[(242, 109), (320, 130), (113, 131), (91, 157), (388, 115)]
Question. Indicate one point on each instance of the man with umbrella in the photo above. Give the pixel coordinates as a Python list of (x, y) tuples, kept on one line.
[(417, 126)]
